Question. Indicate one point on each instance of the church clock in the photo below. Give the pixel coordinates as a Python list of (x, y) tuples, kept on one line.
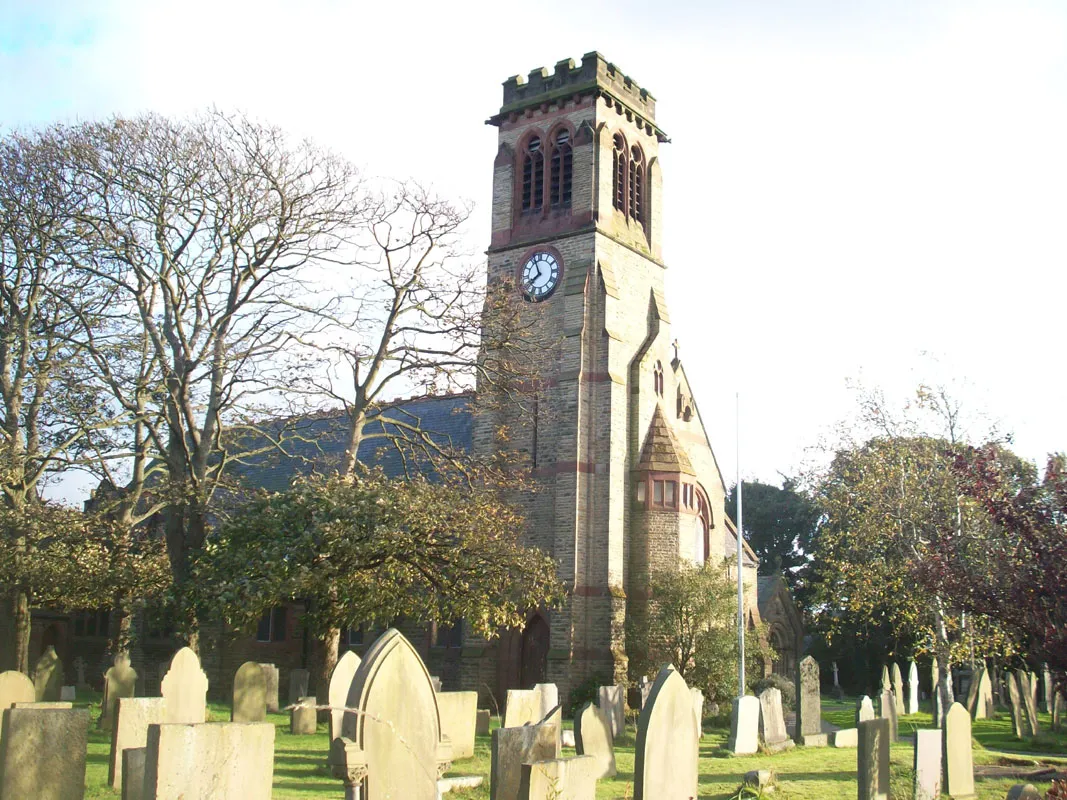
[(540, 276)]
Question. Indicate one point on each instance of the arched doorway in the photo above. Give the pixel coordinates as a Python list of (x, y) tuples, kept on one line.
[(534, 655)]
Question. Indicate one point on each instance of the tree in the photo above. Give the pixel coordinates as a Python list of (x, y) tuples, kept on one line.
[(693, 625), (1013, 571), (362, 548), (779, 525)]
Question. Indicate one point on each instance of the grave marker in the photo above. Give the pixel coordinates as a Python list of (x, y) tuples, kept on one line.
[(927, 764), (612, 701), (864, 709), (211, 759), (665, 759), (887, 709), (983, 706), (898, 689), (592, 737), (48, 676), (1029, 702), (1018, 723), (772, 721), (559, 779), (959, 764), (249, 694), (698, 711), (459, 716), (809, 705), (523, 707), (872, 760), (913, 689), (340, 683), (270, 672), (43, 754), (298, 685), (133, 715), (510, 748), (303, 717), (119, 681)]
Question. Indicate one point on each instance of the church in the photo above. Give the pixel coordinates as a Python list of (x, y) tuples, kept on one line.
[(628, 483)]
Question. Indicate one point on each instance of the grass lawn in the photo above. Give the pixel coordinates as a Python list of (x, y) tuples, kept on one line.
[(805, 773)]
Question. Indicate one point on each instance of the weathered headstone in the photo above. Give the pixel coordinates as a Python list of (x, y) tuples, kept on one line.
[(481, 725), (213, 759), (559, 779), (549, 694), (340, 683), (592, 737), (913, 689), (48, 675), (1057, 710), (983, 706), (185, 688), (887, 685), (665, 758), (133, 715), (887, 709), (303, 717), (1034, 688), (43, 754), (392, 700), (844, 737), (68, 694), (898, 689), (436, 683), (15, 687), (927, 764), (119, 681), (459, 715), (744, 726), (1026, 689), (249, 694), (872, 760), (1046, 684), (1018, 716), (522, 707), (772, 721), (80, 666), (612, 700), (270, 672), (1024, 791), (133, 759), (510, 748), (959, 764), (972, 690), (864, 709), (809, 705), (298, 685)]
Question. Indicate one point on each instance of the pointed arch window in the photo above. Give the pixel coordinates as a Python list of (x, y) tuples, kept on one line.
[(636, 201), (701, 529), (561, 171), (619, 164), (657, 379), (533, 176)]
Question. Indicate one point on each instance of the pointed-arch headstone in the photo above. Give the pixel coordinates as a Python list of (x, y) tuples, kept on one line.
[(913, 689), (898, 689), (119, 681), (340, 683), (15, 687), (184, 687), (665, 762), (48, 676), (249, 694), (592, 737)]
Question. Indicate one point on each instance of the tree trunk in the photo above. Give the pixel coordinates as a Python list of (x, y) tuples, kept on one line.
[(321, 664), (120, 626), (944, 660), (19, 659)]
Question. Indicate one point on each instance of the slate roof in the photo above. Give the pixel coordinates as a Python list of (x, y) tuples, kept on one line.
[(748, 556), (317, 443), (662, 452)]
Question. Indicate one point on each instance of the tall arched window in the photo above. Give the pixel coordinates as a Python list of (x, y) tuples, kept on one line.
[(701, 527), (619, 173), (657, 379), (561, 171), (636, 204), (533, 176)]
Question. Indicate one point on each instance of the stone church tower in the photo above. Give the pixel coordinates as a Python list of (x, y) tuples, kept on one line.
[(628, 481)]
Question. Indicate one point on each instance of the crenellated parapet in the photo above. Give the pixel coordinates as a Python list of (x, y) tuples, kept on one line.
[(595, 76)]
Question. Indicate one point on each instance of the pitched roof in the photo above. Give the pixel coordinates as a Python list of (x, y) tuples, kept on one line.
[(662, 452)]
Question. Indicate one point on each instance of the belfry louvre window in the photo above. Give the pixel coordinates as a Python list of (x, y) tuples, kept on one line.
[(636, 188), (619, 173), (628, 179), (562, 170), (533, 176)]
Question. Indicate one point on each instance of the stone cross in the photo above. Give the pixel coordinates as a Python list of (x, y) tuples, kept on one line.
[(835, 674)]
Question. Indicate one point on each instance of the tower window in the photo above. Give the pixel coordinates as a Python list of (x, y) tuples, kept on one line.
[(636, 207), (619, 173), (562, 170), (533, 176), (657, 379)]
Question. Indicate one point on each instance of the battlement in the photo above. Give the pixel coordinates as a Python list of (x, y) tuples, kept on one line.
[(595, 73)]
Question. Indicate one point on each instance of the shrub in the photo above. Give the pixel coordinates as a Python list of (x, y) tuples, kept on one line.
[(585, 692), (782, 684)]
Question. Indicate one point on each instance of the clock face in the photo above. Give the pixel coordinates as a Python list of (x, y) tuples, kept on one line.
[(540, 276)]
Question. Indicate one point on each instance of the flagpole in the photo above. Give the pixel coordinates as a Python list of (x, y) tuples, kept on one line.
[(740, 534)]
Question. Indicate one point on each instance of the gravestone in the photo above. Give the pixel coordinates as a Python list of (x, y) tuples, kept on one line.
[(522, 707), (744, 726), (772, 721), (1018, 721), (1024, 791), (249, 694), (864, 710), (927, 764), (340, 683), (872, 760), (14, 688), (665, 757), (809, 705), (80, 666), (510, 748), (592, 737), (559, 779), (119, 681), (1057, 710), (913, 689), (48, 676), (436, 683), (133, 715), (298, 685), (133, 759), (898, 689), (935, 694), (1046, 683), (1029, 703), (212, 759), (392, 700), (887, 709), (644, 686), (972, 690), (185, 689), (549, 694), (887, 685), (459, 715), (983, 706), (68, 694), (303, 717), (43, 754), (698, 711), (844, 737), (839, 693), (959, 766), (270, 672), (481, 724), (612, 700), (1034, 688)]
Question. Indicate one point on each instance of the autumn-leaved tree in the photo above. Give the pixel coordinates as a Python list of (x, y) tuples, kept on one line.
[(362, 548)]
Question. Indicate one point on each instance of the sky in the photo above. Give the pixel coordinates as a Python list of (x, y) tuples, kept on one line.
[(855, 191)]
